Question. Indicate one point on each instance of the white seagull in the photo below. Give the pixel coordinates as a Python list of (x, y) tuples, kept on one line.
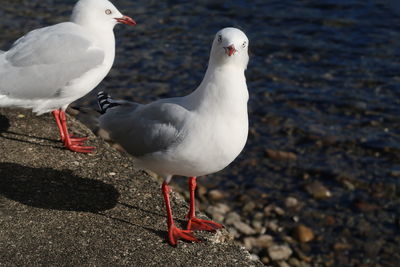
[(50, 67), (194, 135)]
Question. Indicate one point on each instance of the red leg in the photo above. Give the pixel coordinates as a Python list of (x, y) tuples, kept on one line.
[(174, 233), (73, 144), (56, 114), (196, 223)]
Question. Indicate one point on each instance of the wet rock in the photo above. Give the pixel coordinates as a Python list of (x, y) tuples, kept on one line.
[(216, 216), (261, 242), (216, 195), (258, 226), (339, 246), (279, 211), (365, 207), (249, 207), (291, 202), (329, 220), (201, 192), (282, 264), (265, 260), (249, 242), (268, 210), (303, 233), (348, 185), (273, 226), (258, 216), (297, 263), (279, 252), (364, 228), (218, 208), (372, 248), (244, 228), (232, 217), (317, 190), (254, 257), (280, 155), (264, 241), (233, 232)]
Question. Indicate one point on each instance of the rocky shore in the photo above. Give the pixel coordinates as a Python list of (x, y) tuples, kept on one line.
[(60, 208)]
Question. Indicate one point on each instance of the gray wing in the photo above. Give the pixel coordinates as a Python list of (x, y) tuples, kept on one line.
[(145, 129), (45, 60)]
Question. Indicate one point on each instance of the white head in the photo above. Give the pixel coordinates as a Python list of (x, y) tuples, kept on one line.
[(230, 46), (99, 13)]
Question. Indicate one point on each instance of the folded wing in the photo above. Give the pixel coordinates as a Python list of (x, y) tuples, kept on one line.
[(44, 61)]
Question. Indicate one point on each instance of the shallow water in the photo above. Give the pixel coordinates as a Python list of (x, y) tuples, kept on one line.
[(324, 83)]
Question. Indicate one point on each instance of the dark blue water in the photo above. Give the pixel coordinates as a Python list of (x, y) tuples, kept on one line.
[(324, 84)]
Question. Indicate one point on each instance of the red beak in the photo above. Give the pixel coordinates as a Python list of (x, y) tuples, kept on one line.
[(230, 50), (126, 20)]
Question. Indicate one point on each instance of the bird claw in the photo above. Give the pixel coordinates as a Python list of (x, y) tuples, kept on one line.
[(78, 139), (203, 225), (80, 149), (174, 233)]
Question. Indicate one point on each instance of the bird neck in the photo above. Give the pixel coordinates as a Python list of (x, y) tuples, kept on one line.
[(102, 35), (223, 87)]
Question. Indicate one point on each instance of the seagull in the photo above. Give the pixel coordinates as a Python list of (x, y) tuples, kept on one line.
[(191, 136), (49, 68)]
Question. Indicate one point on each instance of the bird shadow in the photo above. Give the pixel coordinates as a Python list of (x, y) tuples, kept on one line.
[(52, 189), (144, 210), (38, 143), (162, 234), (180, 221), (4, 124), (4, 131)]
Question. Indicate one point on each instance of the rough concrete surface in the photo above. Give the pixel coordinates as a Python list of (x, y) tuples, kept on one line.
[(59, 208)]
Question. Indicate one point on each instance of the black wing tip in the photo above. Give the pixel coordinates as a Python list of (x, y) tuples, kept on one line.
[(105, 102)]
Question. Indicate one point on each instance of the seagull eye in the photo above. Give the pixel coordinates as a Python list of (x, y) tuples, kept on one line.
[(108, 12), (219, 38), (244, 44)]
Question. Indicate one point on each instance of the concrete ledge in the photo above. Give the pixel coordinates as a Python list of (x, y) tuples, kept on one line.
[(67, 209)]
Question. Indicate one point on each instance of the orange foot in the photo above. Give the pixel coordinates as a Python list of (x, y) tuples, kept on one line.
[(174, 233), (79, 148), (77, 140), (203, 225)]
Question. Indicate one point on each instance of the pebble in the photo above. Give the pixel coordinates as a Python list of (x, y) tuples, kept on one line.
[(218, 208), (249, 207), (244, 228), (279, 211), (279, 252), (254, 257), (280, 155), (338, 246), (282, 264), (249, 242), (264, 241), (218, 217), (366, 207), (291, 202), (257, 225), (349, 185), (329, 220), (265, 260), (233, 232), (303, 233), (318, 190), (268, 210), (216, 195), (232, 217), (273, 226)]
